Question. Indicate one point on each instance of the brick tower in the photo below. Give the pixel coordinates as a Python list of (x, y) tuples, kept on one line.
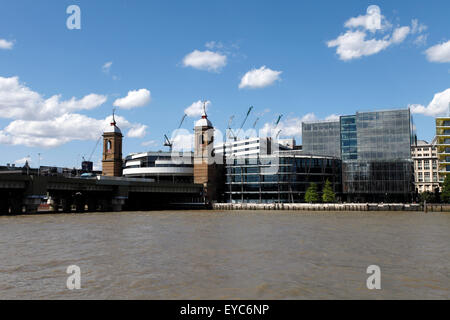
[(112, 151), (205, 170)]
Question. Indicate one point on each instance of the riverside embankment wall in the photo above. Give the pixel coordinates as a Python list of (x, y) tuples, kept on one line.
[(332, 206)]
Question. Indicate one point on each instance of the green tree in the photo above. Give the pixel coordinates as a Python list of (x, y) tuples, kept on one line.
[(427, 196), (328, 194), (311, 194), (445, 194)]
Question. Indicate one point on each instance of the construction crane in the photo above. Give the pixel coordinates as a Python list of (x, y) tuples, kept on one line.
[(168, 142), (230, 131), (254, 123), (245, 119), (278, 120), (278, 133)]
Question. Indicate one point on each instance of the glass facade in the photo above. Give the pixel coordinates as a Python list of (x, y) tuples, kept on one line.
[(378, 180), (247, 181), (321, 138), (349, 150), (375, 148), (383, 135)]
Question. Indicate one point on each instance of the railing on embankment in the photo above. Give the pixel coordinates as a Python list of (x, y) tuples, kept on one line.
[(332, 206)]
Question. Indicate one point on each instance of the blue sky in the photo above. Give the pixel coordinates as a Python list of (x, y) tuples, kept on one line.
[(180, 52)]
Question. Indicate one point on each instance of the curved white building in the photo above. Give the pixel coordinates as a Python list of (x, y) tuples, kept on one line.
[(160, 166)]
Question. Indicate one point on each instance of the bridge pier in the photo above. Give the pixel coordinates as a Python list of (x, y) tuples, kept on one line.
[(80, 202), (16, 206), (92, 203), (4, 207), (66, 204), (32, 204), (117, 204)]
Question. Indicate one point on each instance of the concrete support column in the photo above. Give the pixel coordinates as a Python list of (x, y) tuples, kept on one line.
[(66, 203), (4, 207), (105, 205), (79, 205), (117, 204), (32, 204), (16, 206), (92, 204), (79, 202)]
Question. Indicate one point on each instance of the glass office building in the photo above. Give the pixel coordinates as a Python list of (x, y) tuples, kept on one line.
[(321, 138), (375, 148), (282, 177)]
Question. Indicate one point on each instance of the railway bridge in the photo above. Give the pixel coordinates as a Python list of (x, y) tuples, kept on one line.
[(21, 193)]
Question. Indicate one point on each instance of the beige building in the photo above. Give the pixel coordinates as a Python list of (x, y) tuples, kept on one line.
[(424, 155)]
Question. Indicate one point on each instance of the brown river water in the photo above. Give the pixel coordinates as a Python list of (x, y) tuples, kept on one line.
[(226, 255)]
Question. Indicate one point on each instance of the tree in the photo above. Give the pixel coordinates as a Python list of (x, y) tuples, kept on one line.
[(311, 194), (427, 196), (445, 194), (328, 194)]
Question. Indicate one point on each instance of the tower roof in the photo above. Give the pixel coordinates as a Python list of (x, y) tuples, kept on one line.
[(203, 122), (113, 128)]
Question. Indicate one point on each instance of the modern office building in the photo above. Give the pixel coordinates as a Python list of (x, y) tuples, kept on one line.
[(281, 177), (375, 152), (424, 155), (321, 138), (160, 166), (443, 146)]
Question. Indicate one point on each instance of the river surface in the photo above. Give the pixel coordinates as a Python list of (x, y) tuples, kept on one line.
[(226, 255)]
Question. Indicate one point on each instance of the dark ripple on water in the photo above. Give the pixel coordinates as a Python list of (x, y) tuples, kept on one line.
[(225, 255)]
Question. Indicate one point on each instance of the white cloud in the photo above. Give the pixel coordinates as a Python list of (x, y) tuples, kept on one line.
[(107, 67), (333, 117), (6, 45), (356, 42), (421, 40), (49, 122), (214, 45), (400, 34), (292, 127), (259, 78), (205, 60), (353, 44), (22, 161), (417, 27), (438, 106), (182, 140), (196, 108), (137, 131), (373, 20), (149, 143), (57, 131), (17, 101), (134, 98), (439, 52)]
